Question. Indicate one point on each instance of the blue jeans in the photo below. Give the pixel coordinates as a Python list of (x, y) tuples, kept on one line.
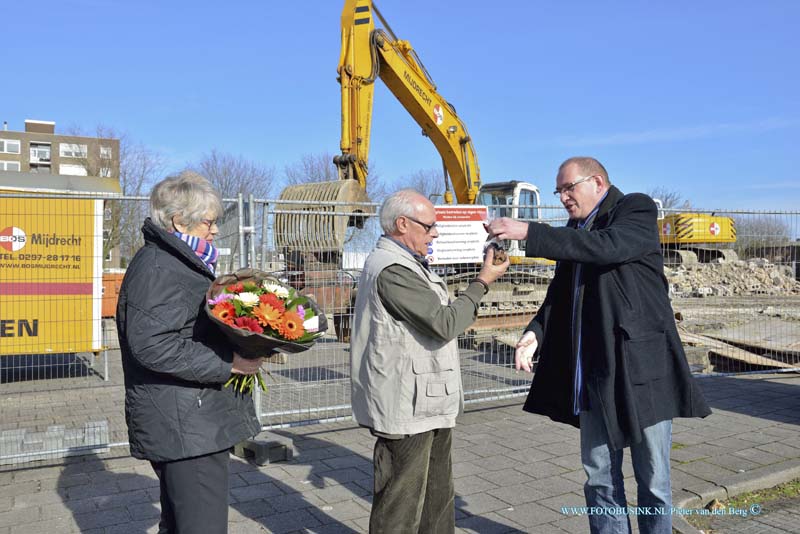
[(604, 486)]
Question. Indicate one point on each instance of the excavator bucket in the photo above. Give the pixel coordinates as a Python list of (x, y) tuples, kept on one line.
[(315, 216)]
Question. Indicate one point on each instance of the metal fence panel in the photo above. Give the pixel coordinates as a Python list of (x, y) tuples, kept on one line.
[(734, 315), (740, 311)]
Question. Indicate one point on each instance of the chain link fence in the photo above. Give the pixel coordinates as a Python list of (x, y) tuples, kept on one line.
[(737, 308)]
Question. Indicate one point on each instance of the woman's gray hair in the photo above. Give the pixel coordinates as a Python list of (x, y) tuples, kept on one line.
[(187, 196), (403, 203)]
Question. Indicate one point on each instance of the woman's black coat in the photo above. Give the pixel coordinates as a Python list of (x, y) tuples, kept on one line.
[(174, 358), (634, 366)]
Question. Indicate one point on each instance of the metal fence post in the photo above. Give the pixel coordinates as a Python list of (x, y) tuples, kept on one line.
[(242, 231), (251, 231), (264, 218)]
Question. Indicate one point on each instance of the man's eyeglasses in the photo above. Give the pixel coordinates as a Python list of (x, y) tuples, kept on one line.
[(209, 222), (427, 227), (569, 187)]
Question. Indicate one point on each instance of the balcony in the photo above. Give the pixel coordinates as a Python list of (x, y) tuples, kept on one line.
[(40, 156)]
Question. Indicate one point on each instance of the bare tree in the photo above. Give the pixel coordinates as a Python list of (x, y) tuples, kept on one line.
[(232, 175), (429, 182), (138, 169), (320, 168), (670, 199), (755, 232), (311, 168)]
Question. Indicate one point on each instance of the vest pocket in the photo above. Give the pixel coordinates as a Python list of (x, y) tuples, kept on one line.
[(437, 390)]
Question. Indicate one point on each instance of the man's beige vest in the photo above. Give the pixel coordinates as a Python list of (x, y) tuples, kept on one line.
[(403, 382)]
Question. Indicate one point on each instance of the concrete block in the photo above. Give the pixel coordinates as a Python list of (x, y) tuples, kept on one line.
[(264, 449), (95, 433), (703, 292)]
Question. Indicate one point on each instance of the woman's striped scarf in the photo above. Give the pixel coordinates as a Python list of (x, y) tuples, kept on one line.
[(207, 252)]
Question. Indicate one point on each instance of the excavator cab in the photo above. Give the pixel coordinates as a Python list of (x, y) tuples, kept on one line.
[(518, 200)]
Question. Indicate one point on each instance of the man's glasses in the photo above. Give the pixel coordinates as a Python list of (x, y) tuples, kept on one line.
[(427, 227), (569, 187)]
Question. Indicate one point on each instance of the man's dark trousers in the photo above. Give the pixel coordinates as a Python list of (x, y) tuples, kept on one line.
[(414, 484)]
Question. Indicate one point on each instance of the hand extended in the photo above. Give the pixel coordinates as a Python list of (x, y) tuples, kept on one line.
[(506, 228), (523, 355), (491, 271), (244, 366)]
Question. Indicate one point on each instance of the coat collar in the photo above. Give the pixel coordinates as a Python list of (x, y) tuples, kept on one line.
[(614, 195), (170, 243)]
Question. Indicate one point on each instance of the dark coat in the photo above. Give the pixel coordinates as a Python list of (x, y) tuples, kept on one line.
[(174, 358), (633, 363)]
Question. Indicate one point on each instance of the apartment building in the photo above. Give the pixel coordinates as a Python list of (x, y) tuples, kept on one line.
[(40, 151)]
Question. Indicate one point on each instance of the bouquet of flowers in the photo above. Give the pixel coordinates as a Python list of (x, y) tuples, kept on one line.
[(260, 315)]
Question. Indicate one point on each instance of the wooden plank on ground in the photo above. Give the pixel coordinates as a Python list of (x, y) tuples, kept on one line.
[(729, 351)]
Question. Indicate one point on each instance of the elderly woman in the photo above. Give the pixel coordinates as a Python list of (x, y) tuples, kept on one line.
[(175, 361)]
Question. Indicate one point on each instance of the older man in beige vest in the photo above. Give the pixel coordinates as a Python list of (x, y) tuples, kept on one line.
[(406, 378)]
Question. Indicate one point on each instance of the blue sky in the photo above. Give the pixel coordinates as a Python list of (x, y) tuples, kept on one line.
[(698, 97)]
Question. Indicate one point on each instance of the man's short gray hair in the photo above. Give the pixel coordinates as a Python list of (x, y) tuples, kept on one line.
[(403, 203), (188, 196)]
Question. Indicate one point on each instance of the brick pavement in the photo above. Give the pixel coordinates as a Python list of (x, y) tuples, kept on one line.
[(513, 472)]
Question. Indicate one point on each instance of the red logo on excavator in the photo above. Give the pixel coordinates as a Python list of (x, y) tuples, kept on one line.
[(714, 228), (438, 114)]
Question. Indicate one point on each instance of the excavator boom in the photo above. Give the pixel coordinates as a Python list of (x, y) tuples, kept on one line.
[(368, 53)]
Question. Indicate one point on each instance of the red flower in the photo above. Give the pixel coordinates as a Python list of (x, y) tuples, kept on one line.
[(292, 326), (274, 301), (238, 287), (248, 323), (224, 311)]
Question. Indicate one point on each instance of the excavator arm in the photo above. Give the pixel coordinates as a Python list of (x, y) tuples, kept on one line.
[(315, 216), (368, 53)]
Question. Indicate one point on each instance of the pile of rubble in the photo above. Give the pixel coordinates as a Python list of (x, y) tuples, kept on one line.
[(751, 277)]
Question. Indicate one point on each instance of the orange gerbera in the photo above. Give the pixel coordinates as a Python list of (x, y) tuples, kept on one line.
[(225, 312), (273, 300), (292, 326), (268, 315)]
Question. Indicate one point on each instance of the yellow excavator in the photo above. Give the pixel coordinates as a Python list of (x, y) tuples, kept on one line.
[(689, 237), (311, 237)]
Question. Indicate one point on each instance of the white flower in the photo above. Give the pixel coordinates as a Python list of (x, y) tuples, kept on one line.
[(312, 325), (247, 299), (279, 290)]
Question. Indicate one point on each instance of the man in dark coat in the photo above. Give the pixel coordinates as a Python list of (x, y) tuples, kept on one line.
[(610, 359)]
